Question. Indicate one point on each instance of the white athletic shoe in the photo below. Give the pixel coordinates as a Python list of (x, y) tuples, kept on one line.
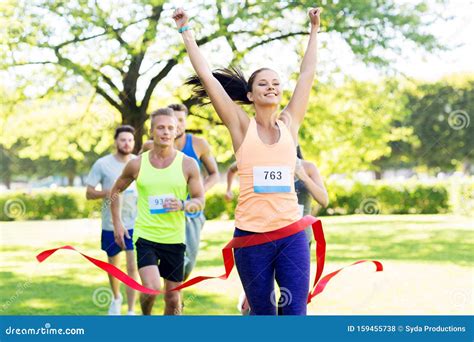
[(131, 313), (243, 305), (115, 306)]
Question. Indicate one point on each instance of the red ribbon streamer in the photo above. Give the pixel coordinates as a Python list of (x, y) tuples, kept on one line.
[(228, 256)]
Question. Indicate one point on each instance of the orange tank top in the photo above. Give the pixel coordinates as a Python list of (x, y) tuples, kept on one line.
[(267, 199)]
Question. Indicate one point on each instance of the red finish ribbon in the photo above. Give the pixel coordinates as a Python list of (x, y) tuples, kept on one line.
[(228, 256)]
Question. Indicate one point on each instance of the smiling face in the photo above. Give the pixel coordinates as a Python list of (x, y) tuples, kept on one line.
[(266, 88), (163, 130)]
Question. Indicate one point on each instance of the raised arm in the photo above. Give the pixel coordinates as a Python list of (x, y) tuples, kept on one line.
[(313, 181), (296, 108), (129, 174), (233, 117)]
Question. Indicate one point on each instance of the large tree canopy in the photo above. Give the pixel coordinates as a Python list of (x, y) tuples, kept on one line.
[(124, 49), (440, 116)]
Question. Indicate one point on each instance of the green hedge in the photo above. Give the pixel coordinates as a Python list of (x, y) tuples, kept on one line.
[(217, 207), (384, 198), (461, 195), (50, 204), (411, 197)]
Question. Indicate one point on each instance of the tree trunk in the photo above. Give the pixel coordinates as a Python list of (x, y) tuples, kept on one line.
[(7, 180), (71, 171), (139, 132), (6, 168), (70, 179), (378, 175), (466, 168)]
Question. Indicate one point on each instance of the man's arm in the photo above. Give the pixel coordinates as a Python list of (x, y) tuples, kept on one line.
[(92, 193), (93, 179), (129, 174), (230, 177), (209, 162), (195, 187)]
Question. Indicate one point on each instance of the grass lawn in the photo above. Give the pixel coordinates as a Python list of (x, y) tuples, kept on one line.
[(428, 260)]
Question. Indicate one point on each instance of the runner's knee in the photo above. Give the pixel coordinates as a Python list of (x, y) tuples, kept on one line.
[(152, 285), (131, 268), (172, 299)]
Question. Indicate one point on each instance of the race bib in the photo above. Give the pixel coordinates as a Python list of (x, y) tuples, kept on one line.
[(155, 203), (270, 179), (301, 208)]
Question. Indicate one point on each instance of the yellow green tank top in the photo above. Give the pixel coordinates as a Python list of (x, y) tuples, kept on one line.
[(154, 185)]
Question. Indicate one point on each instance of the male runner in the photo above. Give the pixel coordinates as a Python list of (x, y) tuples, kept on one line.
[(105, 171), (198, 149), (164, 177)]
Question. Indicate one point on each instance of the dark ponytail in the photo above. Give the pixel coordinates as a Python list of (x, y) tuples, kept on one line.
[(233, 81), (299, 153)]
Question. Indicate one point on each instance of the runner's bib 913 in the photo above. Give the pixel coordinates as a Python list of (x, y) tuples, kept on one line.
[(155, 203), (271, 179)]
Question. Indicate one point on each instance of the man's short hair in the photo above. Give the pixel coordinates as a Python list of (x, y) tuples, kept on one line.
[(179, 107), (161, 112), (123, 128)]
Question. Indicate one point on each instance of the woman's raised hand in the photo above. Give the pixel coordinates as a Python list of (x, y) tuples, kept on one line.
[(180, 17), (314, 16)]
